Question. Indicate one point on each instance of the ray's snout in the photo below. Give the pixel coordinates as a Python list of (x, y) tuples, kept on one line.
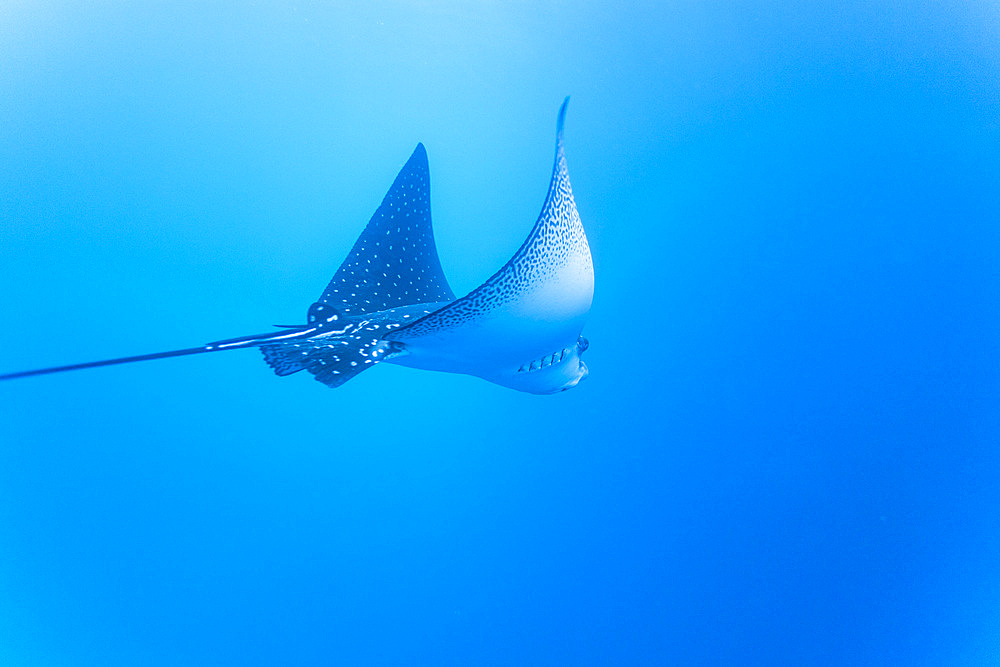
[(582, 371)]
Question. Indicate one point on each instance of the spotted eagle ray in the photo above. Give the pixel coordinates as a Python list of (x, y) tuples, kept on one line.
[(390, 302)]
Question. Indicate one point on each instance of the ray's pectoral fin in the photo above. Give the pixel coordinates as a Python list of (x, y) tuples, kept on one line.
[(394, 262), (532, 309), (393, 266)]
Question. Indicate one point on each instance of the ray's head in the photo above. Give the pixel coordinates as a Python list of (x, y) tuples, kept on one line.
[(551, 373)]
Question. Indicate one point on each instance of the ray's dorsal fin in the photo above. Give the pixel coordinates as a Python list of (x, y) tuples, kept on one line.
[(549, 279), (394, 262)]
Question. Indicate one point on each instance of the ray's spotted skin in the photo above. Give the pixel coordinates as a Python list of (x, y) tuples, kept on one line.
[(389, 301)]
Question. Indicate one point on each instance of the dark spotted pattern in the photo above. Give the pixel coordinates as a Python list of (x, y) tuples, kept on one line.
[(394, 262), (556, 239)]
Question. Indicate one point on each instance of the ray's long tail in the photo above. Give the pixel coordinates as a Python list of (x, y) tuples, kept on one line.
[(255, 340)]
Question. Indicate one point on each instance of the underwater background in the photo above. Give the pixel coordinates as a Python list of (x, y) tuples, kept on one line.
[(787, 448)]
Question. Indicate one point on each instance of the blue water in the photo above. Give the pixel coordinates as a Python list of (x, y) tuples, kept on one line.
[(787, 449)]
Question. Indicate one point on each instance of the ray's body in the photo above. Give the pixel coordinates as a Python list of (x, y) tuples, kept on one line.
[(390, 302)]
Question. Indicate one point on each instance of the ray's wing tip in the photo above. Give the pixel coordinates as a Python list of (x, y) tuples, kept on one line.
[(419, 153), (417, 162), (562, 116)]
